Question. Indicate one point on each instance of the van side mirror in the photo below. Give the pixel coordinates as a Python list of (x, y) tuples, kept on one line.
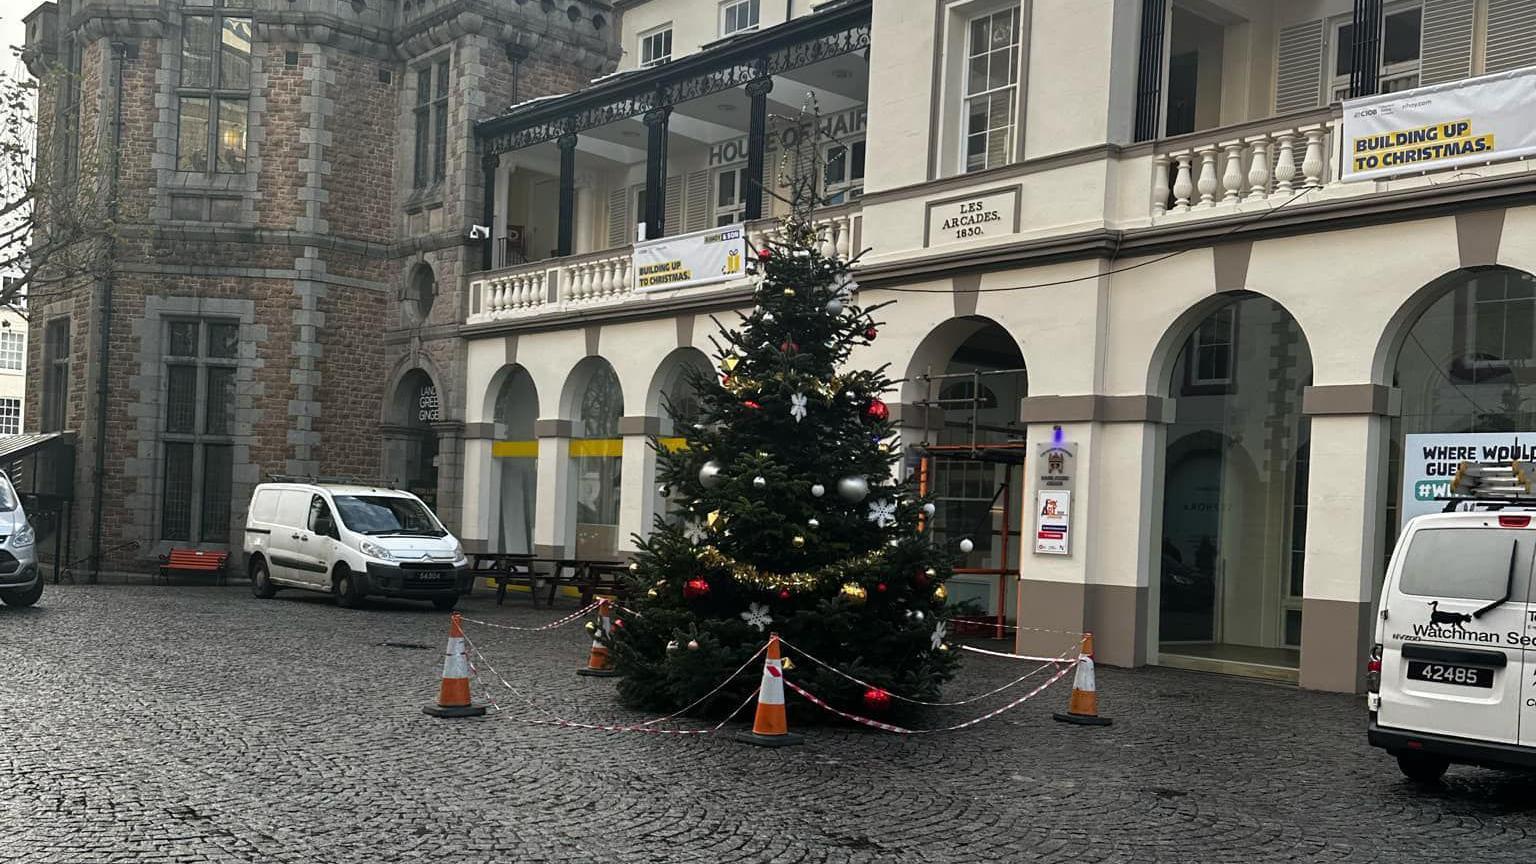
[(327, 526)]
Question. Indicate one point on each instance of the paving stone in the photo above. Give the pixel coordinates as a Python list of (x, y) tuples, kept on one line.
[(200, 725)]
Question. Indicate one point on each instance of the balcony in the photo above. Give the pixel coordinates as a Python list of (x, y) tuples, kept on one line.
[(605, 280)]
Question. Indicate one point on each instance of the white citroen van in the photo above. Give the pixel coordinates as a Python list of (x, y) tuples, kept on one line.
[(1451, 674), (351, 542)]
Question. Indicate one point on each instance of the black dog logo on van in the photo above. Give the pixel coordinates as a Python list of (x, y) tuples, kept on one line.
[(1455, 619)]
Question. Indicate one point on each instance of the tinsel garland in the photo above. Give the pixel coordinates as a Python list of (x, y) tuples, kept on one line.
[(746, 574)]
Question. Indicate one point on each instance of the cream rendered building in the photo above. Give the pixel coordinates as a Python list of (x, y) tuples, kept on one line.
[(1113, 224)]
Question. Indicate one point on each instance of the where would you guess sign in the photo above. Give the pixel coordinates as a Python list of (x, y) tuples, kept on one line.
[(1430, 461), (1486, 119), (700, 258)]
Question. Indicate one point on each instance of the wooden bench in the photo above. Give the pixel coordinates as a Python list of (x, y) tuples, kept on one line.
[(196, 561), (510, 568), (601, 577)]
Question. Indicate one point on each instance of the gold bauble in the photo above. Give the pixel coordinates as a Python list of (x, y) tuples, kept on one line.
[(799, 542), (943, 646), (941, 593), (651, 593), (787, 665), (854, 593), (728, 363), (712, 518), (591, 628)]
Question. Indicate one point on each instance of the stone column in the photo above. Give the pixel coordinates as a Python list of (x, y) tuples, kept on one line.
[(478, 522), (656, 171), (554, 532), (450, 472), (1345, 530), (637, 497), (757, 138), (567, 215)]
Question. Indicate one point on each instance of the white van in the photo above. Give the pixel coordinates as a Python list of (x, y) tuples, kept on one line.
[(1451, 674), (351, 542)]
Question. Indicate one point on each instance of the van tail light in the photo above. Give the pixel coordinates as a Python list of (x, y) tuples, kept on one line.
[(1373, 670), (1514, 521)]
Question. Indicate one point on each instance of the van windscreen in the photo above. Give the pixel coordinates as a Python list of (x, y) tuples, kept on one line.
[(387, 514), (1467, 563)]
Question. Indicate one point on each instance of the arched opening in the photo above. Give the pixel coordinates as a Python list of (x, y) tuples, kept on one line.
[(420, 292), (1466, 370), (410, 442), (597, 456), (515, 452), (1234, 492), (674, 402), (964, 384)]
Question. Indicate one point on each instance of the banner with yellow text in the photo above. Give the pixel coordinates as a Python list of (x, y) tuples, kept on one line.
[(713, 255), (1468, 122)]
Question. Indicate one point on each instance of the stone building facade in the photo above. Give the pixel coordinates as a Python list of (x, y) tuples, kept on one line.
[(295, 183)]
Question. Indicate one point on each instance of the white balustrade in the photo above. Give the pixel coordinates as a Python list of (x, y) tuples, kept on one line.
[(1256, 168)]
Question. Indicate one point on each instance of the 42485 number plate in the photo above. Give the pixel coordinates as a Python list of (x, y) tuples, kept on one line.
[(1450, 673)]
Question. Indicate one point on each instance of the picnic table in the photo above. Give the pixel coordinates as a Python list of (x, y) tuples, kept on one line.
[(590, 577)]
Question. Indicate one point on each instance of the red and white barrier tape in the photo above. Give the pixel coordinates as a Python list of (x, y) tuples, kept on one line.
[(646, 726), (1067, 656), (554, 625), (901, 730), (993, 624), (1046, 664)]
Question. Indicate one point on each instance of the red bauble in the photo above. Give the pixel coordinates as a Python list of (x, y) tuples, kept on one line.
[(789, 348), (618, 623), (764, 253), (783, 593), (695, 589), (750, 404), (877, 411), (877, 701), (921, 580), (880, 587), (870, 333)]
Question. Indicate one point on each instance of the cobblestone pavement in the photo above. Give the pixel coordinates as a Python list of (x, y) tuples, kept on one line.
[(202, 725)]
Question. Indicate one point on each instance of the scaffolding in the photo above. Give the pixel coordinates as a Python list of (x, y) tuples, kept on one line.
[(986, 443)]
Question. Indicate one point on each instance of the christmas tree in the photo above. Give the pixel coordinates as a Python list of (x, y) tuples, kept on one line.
[(785, 517)]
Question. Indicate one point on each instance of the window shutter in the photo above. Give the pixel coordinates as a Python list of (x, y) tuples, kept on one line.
[(697, 206), (1299, 76), (673, 214), (770, 180), (620, 227), (1447, 41), (1511, 34)]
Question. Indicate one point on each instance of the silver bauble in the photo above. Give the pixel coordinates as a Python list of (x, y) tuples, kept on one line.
[(818, 490), (759, 482), (813, 522), (853, 489), (966, 545), (928, 509), (712, 474), (834, 306)]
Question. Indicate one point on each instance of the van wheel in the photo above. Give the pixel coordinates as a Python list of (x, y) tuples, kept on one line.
[(261, 580), (1422, 767), (446, 602), (24, 597), (349, 594)]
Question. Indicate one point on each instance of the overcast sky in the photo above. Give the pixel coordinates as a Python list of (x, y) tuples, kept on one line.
[(11, 30)]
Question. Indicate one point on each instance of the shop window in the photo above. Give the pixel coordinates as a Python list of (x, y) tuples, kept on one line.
[(738, 16), (1401, 46), (843, 172), (597, 463), (200, 360), (656, 46), (730, 195), (431, 124), (214, 91)]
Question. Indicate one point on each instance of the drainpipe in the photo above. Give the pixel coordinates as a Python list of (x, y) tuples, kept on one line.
[(119, 55)]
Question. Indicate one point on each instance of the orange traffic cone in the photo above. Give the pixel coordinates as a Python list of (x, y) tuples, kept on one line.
[(599, 664), (1083, 707), (453, 698), (771, 726)]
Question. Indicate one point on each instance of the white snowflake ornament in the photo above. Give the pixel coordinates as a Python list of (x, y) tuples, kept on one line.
[(695, 532), (757, 616), (883, 512), (797, 404), (937, 639)]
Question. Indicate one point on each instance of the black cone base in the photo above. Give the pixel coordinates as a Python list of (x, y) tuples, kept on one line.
[(784, 740), (1083, 719), (597, 673), (454, 710)]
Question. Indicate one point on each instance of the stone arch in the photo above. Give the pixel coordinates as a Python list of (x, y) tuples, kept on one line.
[(667, 382), (593, 402), (410, 439), (512, 386)]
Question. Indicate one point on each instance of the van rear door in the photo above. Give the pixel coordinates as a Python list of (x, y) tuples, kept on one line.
[(1454, 656)]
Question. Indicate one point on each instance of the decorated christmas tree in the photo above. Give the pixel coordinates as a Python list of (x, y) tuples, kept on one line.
[(784, 516)]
